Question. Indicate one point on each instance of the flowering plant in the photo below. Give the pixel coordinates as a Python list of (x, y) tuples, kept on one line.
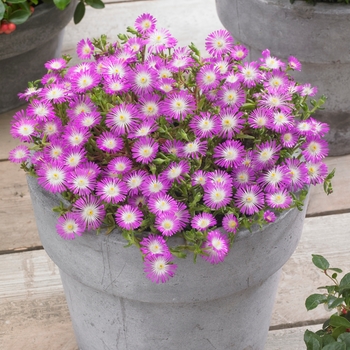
[(15, 12), (157, 141), (336, 296)]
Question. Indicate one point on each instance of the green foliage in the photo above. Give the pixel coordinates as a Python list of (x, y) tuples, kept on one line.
[(335, 333)]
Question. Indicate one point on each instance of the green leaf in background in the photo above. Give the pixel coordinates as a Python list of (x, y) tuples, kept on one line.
[(61, 4), (339, 321), (345, 338), (345, 282), (312, 341), (314, 300), (320, 262), (96, 4), (333, 301), (19, 16), (79, 12), (335, 346), (2, 10)]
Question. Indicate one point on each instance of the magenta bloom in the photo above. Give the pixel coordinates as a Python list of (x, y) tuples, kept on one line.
[(70, 225), (220, 177), (129, 217), (250, 74), (41, 110), (289, 139), (76, 136), (160, 39), (294, 63), (219, 42), (174, 147), (53, 176), (315, 149), (167, 223), (120, 165), (243, 175), (109, 142), (74, 156), (239, 52), (278, 177), (153, 184), (122, 118), (80, 182), (154, 245), (134, 180), (85, 49), (279, 199), (217, 195), (55, 93), (111, 190), (199, 177), (178, 105), (56, 64), (162, 203), (266, 154), (269, 216), (216, 246), (91, 211), (203, 221), (145, 150), (175, 171), (85, 80), (317, 172), (249, 199), (195, 149), (298, 172), (159, 268), (229, 154), (208, 78), (204, 125), (231, 95), (183, 215), (142, 79), (231, 122), (230, 223), (260, 118), (23, 127), (144, 129), (145, 23), (19, 154)]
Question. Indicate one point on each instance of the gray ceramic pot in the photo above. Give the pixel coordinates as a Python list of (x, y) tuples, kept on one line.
[(113, 305), (24, 52), (317, 35)]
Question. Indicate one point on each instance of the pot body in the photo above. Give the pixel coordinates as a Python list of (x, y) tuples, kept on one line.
[(114, 306), (317, 35), (24, 52)]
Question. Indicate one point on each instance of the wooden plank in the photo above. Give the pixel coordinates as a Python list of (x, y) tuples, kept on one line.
[(328, 236), (289, 339), (18, 227), (33, 309), (339, 200)]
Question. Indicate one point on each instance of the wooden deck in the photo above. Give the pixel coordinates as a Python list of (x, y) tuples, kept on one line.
[(33, 311)]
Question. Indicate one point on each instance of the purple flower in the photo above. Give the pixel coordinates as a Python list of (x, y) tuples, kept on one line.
[(149, 106), (242, 176), (294, 63), (270, 62), (74, 156), (219, 42), (142, 79), (266, 154), (80, 182), (115, 85), (317, 172), (76, 136), (289, 139), (134, 181), (122, 118), (239, 52), (109, 142), (56, 64), (175, 171), (85, 49), (220, 177), (216, 247), (204, 125), (249, 199), (183, 215), (174, 147), (129, 217), (231, 95), (230, 223), (145, 23), (277, 99), (203, 221), (111, 190), (23, 127), (90, 210), (229, 154), (159, 40), (208, 78), (55, 93), (19, 154), (269, 216), (199, 177), (279, 199), (250, 74), (178, 105), (120, 165), (217, 195), (162, 203), (167, 223), (298, 173), (154, 245), (260, 118), (195, 149), (145, 150), (159, 268), (41, 110), (143, 129), (70, 225), (315, 149), (53, 177), (85, 80), (275, 178), (231, 122)]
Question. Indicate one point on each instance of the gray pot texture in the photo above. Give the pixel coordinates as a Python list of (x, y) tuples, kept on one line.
[(317, 35), (113, 305), (24, 52)]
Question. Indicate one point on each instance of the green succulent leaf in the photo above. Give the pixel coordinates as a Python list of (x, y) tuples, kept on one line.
[(345, 282), (344, 338), (312, 341), (335, 346), (339, 321), (320, 262)]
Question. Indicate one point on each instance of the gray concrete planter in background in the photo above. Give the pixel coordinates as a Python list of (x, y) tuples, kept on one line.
[(24, 52), (114, 306), (319, 36)]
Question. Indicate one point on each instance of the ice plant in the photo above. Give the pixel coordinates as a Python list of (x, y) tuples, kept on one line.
[(156, 141)]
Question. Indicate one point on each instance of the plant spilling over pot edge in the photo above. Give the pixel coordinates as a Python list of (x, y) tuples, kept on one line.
[(335, 332), (153, 138)]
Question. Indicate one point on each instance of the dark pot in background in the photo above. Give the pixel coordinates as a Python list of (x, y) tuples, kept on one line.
[(24, 52), (317, 35)]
